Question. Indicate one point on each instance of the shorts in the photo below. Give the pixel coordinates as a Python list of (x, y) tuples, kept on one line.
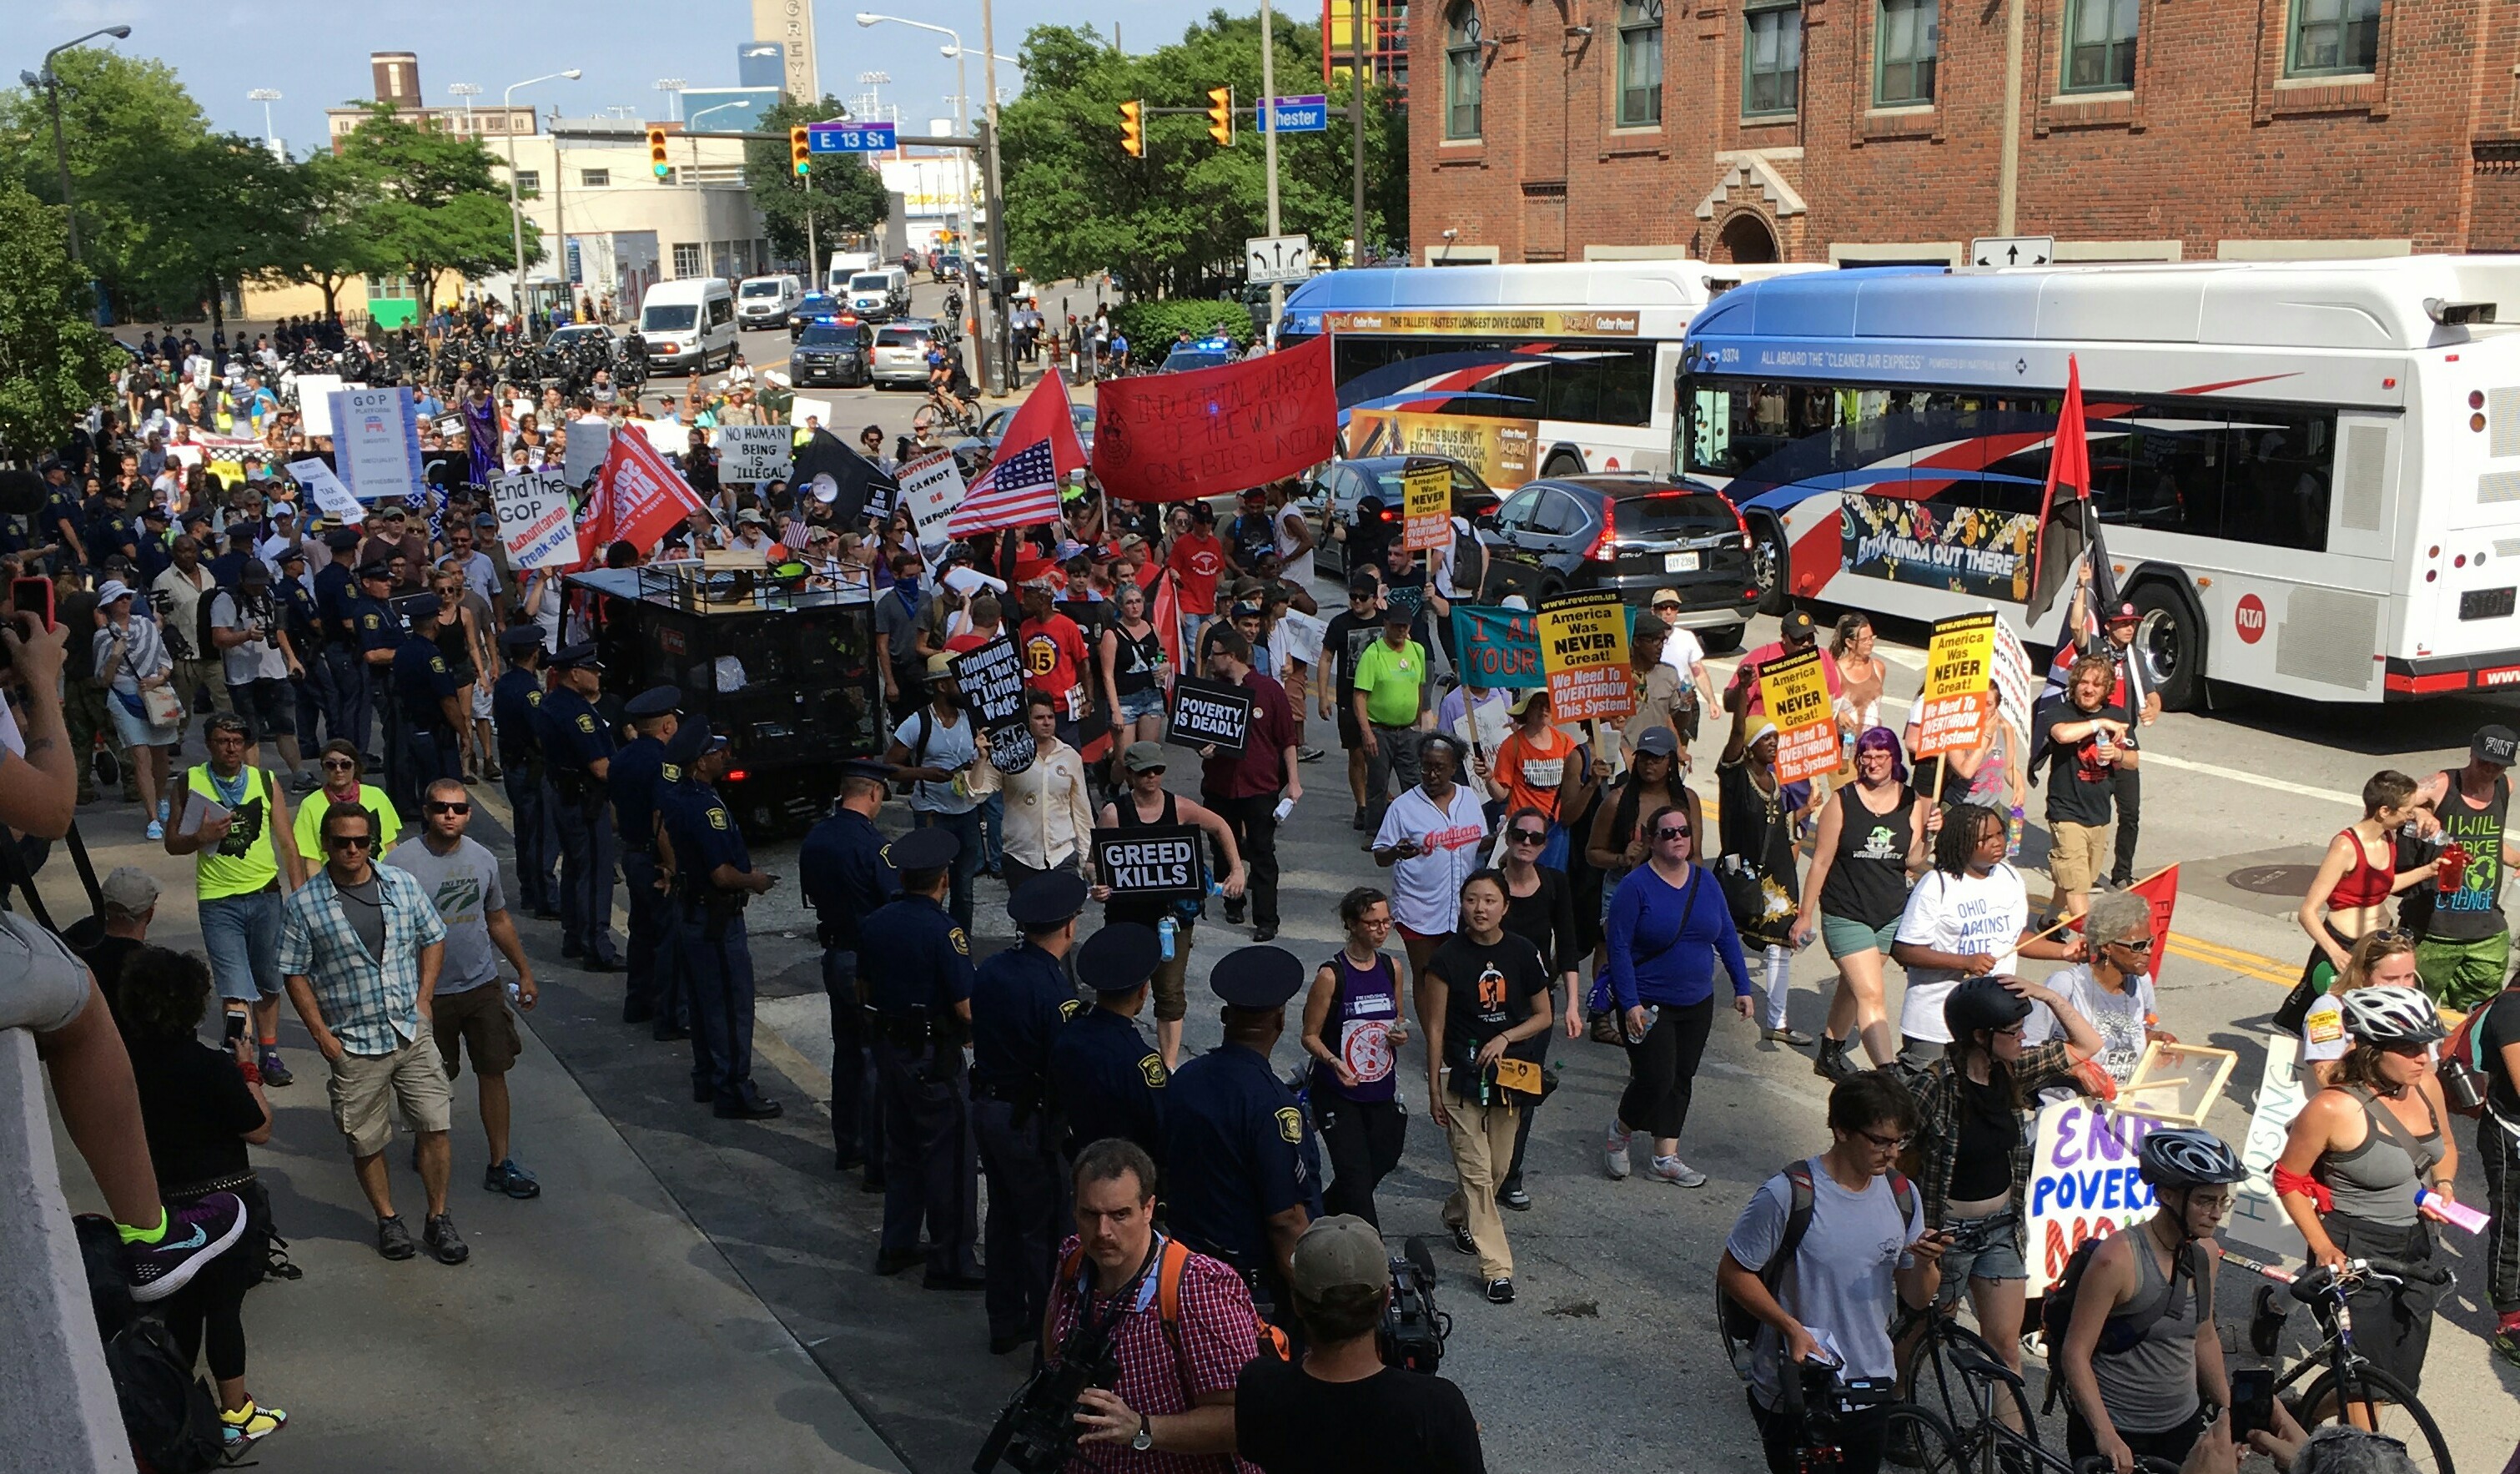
[(242, 935), (265, 707), (478, 1022), (138, 730), (1845, 938), (2000, 1258), (365, 1088), (1351, 735), (2078, 854), (480, 700), (43, 985), (1413, 934), (1170, 983), (1138, 705), (2463, 974)]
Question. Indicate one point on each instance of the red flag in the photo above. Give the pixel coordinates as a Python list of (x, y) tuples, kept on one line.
[(1174, 437), (2161, 893), (638, 499), (1167, 619), (2065, 508)]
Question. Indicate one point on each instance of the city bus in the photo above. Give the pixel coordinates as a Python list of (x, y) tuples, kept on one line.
[(2308, 473), (1516, 371)]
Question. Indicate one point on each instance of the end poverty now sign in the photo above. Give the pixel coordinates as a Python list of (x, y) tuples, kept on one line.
[(1173, 437)]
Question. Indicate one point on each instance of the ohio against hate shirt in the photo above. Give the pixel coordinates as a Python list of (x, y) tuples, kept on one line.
[(1958, 913)]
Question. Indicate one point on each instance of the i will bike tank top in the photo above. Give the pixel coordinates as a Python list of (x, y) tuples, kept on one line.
[(2475, 910)]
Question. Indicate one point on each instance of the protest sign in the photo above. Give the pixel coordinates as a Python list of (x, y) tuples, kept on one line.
[(1427, 507), (1150, 863), (535, 519), (376, 444), (1302, 634), (990, 680), (668, 437), (331, 497), (1172, 437), (1500, 648), (2083, 1184), (1795, 691), (315, 393), (1208, 711), (751, 454), (802, 411), (590, 441), (1584, 653), (2016, 679), (1960, 668), (2257, 1221), (932, 488)]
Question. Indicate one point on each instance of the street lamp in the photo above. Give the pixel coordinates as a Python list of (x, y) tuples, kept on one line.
[(467, 91), (266, 96), (956, 52), (52, 85), (672, 87), (516, 207), (961, 94)]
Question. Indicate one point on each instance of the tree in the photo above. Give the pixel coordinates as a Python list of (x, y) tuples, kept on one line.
[(333, 244), (428, 201), (53, 361), (847, 196)]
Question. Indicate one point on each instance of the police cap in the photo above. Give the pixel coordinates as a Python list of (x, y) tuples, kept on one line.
[(1047, 900), (370, 570), (867, 770), (689, 742), (341, 539), (578, 656), (519, 638), (1119, 957), (1257, 977), (421, 605), (655, 701), (293, 553), (922, 850)]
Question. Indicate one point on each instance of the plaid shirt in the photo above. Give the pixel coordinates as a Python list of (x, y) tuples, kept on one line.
[(1939, 1103), (371, 1008), (1218, 1337)]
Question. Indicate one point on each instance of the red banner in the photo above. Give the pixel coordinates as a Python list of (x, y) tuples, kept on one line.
[(638, 499), (1174, 437)]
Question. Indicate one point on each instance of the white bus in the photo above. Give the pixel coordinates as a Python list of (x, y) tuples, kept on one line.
[(2308, 473), (1517, 372)]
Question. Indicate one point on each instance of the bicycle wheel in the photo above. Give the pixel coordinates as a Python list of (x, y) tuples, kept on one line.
[(2373, 1399), (1914, 1438), (1935, 1381)]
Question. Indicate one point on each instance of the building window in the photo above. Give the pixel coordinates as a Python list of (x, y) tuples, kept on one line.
[(2099, 45), (529, 183), (2330, 38), (687, 258), (1772, 61), (1904, 46), (1640, 63), (1462, 54), (595, 179)]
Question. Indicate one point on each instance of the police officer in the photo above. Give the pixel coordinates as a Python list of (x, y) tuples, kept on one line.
[(513, 697), (337, 590), (1019, 1002), (713, 881), (310, 684), (918, 1004), (1108, 1080), (1245, 1174), (376, 634), (848, 879), (634, 778), (428, 710), (577, 754)]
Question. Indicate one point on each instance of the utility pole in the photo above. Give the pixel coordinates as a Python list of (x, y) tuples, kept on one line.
[(61, 158), (2007, 187), (559, 226), (1268, 145), (1000, 371), (1356, 11), (812, 251)]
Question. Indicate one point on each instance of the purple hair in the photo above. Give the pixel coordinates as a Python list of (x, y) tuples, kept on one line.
[(1883, 740)]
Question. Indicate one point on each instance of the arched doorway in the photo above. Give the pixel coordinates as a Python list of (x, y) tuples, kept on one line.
[(1747, 241)]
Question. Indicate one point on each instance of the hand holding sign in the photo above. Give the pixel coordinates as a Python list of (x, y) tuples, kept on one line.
[(1426, 498), (1208, 714), (1794, 690), (1959, 670), (1584, 653), (331, 498)]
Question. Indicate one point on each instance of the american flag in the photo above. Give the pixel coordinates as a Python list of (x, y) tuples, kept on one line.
[(1017, 491)]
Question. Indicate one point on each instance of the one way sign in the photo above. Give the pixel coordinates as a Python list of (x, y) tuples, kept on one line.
[(2013, 251), (1278, 258)]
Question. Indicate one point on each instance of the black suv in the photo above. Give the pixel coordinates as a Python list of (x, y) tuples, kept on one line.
[(830, 353), (1636, 534)]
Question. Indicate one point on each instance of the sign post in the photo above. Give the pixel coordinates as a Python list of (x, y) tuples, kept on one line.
[(1795, 691), (1276, 258), (843, 136)]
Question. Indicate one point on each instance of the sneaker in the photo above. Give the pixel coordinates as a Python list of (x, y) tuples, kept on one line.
[(247, 1424), (157, 829), (1615, 1147), (1308, 754), (1266, 931), (1514, 1197), (510, 1179), (273, 1073), (393, 1240), (445, 1245), (1676, 1171), (162, 816), (2506, 1344), (1462, 1240), (1500, 1292), (1358, 820), (305, 782), (194, 1236), (1793, 1037)]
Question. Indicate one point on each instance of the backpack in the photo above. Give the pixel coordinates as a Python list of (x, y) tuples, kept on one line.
[(1738, 1326), (167, 1411), (2120, 1333), (1469, 561), (2464, 1051), (1168, 1282)]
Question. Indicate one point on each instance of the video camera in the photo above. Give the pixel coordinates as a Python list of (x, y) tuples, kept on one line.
[(1413, 1328), (1036, 1433)]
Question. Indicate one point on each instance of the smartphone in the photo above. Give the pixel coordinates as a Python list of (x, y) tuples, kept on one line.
[(236, 1027), (34, 596), (2253, 1400)]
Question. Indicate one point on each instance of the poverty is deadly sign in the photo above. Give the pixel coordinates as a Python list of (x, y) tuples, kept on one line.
[(1584, 653), (1426, 501), (1795, 691), (1959, 674), (990, 680), (534, 519), (755, 453), (1153, 862), (1209, 711), (2083, 1184)]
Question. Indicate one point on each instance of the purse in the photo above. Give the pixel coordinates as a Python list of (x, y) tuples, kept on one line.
[(157, 705)]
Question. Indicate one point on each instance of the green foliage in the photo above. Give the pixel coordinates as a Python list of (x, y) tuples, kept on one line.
[(1173, 223), (53, 362), (426, 202), (847, 196), (1152, 326)]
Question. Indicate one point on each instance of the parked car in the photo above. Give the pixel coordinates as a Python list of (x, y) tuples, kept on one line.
[(1635, 534), (765, 301), (901, 353), (815, 307), (689, 323), (832, 353), (1340, 488)]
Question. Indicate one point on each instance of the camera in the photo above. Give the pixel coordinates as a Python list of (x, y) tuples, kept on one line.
[(1036, 1432), (1413, 1328)]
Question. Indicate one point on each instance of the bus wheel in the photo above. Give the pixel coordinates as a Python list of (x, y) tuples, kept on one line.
[(2171, 645), (1768, 561), (1563, 464)]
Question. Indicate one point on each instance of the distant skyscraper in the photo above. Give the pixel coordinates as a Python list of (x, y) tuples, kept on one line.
[(761, 64)]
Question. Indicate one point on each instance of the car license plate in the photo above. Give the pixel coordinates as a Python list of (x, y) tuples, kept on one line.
[(1680, 562)]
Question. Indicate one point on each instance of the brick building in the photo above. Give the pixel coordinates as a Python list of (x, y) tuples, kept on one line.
[(1873, 130)]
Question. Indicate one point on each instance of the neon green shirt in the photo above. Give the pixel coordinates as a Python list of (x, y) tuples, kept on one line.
[(1391, 680), (309, 828)]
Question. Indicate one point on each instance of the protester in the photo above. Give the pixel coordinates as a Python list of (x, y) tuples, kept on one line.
[(1352, 1030), (1667, 928), (1533, 768), (1618, 842), (1863, 672), (936, 750), (132, 660), (2465, 949), (233, 821), (2348, 897), (1484, 1002), (1390, 685), (1430, 839), (1967, 917), (1136, 673), (1540, 908), (1050, 803), (1343, 643), (2497, 1043), (2088, 740), (2113, 990), (244, 628), (1244, 788), (342, 771), (1756, 819), (1873, 839), (2384, 958), (1145, 803)]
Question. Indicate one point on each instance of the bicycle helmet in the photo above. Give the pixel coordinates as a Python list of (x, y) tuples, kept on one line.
[(2186, 1157), (2387, 1014), (1982, 1003)]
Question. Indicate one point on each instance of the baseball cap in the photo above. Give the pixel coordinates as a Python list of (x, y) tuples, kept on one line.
[(1336, 1253), (1658, 741), (1797, 625), (128, 890), (2125, 613), (2492, 744), (1143, 757), (1663, 597)]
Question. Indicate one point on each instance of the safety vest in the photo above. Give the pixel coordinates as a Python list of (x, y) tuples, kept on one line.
[(247, 860)]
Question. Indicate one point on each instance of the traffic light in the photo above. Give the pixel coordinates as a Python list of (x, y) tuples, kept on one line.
[(1220, 115), (656, 155), (1133, 129), (800, 151)]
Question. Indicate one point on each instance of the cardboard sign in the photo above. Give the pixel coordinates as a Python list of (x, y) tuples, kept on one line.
[(1795, 691), (802, 408), (331, 497), (2176, 1084), (2083, 1184), (932, 488), (2016, 679), (755, 453), (1953, 709), (590, 441), (1152, 862), (1584, 653), (315, 393), (535, 519), (376, 444), (2255, 1220), (1208, 711), (1426, 504), (992, 683), (1500, 648)]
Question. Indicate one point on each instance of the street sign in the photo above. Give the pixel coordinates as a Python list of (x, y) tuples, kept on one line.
[(1278, 258), (851, 138), (1297, 114), (2013, 251)]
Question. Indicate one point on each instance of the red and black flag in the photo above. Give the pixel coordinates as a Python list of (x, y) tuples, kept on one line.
[(2065, 526)]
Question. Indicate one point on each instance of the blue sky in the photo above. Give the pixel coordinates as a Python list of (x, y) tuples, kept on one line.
[(315, 52)]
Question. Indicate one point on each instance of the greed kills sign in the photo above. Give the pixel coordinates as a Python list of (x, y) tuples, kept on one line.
[(1151, 862)]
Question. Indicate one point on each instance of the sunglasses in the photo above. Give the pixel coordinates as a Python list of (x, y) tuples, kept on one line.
[(1671, 833), (1530, 836), (349, 841), (338, 764), (2139, 946), (447, 808)]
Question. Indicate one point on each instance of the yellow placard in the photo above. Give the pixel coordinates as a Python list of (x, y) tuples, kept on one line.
[(1959, 674), (1426, 497), (1794, 693), (1520, 1076), (1584, 653)]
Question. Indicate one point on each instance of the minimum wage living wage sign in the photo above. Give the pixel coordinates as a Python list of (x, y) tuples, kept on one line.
[(1426, 498), (2083, 1184), (1584, 653), (1960, 672), (1794, 690)]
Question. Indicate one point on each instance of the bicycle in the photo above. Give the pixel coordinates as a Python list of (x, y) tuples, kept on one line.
[(1948, 1368), (943, 409), (2348, 1390), (1818, 1402)]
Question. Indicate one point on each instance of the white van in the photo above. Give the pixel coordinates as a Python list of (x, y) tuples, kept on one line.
[(880, 293), (845, 265), (763, 302), (689, 323)]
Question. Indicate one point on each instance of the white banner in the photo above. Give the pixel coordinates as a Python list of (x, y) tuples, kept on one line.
[(534, 519), (331, 497), (932, 488), (315, 393), (375, 444), (2016, 679), (2257, 1221), (2083, 1184), (589, 441), (665, 437), (755, 453)]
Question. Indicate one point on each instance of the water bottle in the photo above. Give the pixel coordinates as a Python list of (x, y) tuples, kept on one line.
[(1164, 934), (2013, 834)]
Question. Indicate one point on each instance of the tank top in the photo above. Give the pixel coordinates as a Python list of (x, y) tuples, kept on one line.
[(1359, 1028), (1138, 659), (456, 650), (1867, 878), (2376, 1181), (2151, 1387), (245, 860), (1137, 909), (2365, 885), (2474, 910)]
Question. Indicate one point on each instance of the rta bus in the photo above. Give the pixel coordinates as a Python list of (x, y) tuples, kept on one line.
[(2309, 472), (1516, 371)]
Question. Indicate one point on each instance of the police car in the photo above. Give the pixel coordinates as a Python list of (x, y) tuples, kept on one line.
[(1205, 353), (817, 307)]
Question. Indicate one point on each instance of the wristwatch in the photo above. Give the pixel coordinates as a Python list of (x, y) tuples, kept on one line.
[(1146, 1436)]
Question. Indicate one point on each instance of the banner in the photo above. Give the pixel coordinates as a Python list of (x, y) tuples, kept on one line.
[(315, 393), (535, 519), (751, 454), (1500, 649), (1488, 323), (1208, 711), (2255, 1220), (1584, 653), (331, 497), (2083, 1184), (376, 444), (1794, 693), (1174, 437), (1967, 549), (638, 499), (1427, 506), (1150, 862), (1952, 710), (590, 442), (992, 682), (1501, 450)]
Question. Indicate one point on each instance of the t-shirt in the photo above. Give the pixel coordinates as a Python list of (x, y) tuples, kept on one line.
[(307, 828), (1392, 681), (178, 602), (1839, 1286), (2119, 1017), (947, 748), (2079, 784), (1487, 989), (1196, 559), (255, 660), (463, 884), (1054, 652), (363, 905), (1298, 571), (893, 619), (1958, 913), (1395, 1421), (1426, 888), (2496, 1031), (1532, 768), (195, 1109), (1346, 641)]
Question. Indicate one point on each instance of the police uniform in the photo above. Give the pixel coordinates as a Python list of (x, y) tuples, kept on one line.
[(303, 621), (513, 697), (717, 950), (373, 626), (574, 738), (1108, 1080), (1020, 1000), (638, 774), (420, 681), (337, 590), (1239, 1147), (846, 879), (918, 968)]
